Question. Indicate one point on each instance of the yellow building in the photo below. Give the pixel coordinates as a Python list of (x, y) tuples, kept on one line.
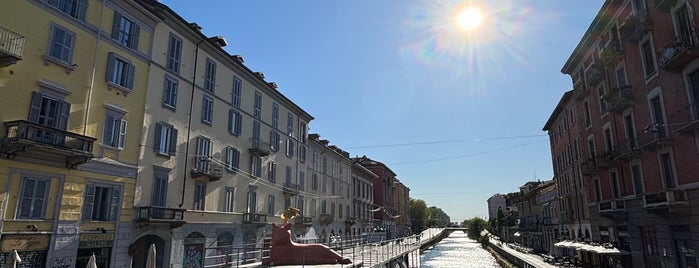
[(73, 76)]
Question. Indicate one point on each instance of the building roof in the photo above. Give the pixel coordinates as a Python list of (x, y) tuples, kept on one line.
[(559, 107)]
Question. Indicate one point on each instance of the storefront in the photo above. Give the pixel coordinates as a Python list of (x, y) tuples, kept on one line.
[(99, 244), (32, 248)]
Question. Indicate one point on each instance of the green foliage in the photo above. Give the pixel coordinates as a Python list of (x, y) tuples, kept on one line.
[(419, 215), (475, 227)]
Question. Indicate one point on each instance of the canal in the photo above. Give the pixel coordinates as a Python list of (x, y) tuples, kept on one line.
[(457, 250)]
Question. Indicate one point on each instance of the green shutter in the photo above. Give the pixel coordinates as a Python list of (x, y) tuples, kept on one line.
[(116, 25), (158, 132), (89, 202), (35, 107), (111, 58), (173, 141)]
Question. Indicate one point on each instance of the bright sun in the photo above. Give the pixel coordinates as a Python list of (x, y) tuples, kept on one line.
[(469, 18)]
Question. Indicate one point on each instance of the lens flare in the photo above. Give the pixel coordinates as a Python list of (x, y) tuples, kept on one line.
[(469, 18)]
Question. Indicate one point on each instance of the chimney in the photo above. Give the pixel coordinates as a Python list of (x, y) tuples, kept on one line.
[(195, 26), (218, 40)]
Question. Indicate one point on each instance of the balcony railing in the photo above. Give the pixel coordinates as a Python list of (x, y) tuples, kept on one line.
[(11, 47), (304, 220), (680, 51), (254, 218), (635, 27), (611, 206), (291, 188), (206, 167), (259, 147), (656, 137), (594, 75), (325, 218), (589, 167), (24, 137), (667, 198), (619, 98), (612, 53), (153, 215), (628, 150), (664, 5), (608, 159)]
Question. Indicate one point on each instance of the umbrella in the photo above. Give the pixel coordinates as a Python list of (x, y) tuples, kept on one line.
[(92, 263), (13, 259), (150, 260)]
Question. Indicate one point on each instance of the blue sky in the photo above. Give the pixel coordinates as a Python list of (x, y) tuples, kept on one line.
[(456, 114)]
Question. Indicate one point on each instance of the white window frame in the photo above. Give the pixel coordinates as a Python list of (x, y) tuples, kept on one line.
[(237, 91), (114, 206), (170, 88), (210, 76), (199, 196), (35, 203), (207, 110), (232, 159), (229, 199), (114, 134), (235, 122), (64, 55), (174, 54), (165, 139)]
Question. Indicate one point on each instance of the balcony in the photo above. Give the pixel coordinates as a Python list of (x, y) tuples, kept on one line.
[(589, 167), (291, 188), (259, 147), (206, 167), (11, 46), (160, 215), (325, 219), (664, 5), (635, 27), (255, 218), (612, 53), (687, 119), (608, 159), (27, 139), (610, 207), (667, 198), (628, 150), (307, 221), (680, 51), (618, 99), (655, 138), (594, 74)]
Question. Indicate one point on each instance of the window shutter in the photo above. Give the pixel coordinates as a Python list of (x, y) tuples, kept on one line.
[(116, 25), (39, 197), (114, 205), (122, 133), (238, 124), (64, 116), (89, 202), (82, 9), (109, 131), (173, 142), (129, 77), (158, 133), (53, 3), (231, 123), (27, 198), (135, 34), (110, 67), (35, 107)]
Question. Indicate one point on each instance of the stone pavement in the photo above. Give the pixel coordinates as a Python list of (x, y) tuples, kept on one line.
[(532, 259)]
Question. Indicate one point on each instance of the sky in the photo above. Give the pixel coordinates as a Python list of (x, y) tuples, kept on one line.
[(457, 114)]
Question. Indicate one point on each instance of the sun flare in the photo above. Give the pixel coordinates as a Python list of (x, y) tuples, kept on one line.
[(469, 19)]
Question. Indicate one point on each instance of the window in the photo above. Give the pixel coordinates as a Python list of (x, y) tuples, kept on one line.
[(49, 111), (101, 202), (274, 140), (658, 117), (639, 8), (252, 199), (125, 31), (165, 139), (235, 121), (302, 154), (258, 105), (303, 132), (631, 141), (270, 205), (204, 146), (174, 54), (602, 101), (287, 201), (207, 110), (120, 71), (75, 8), (199, 195), (287, 177), (608, 141), (237, 90), (315, 160), (290, 125), (621, 76), (314, 182), (160, 181), (591, 147), (588, 118), (61, 46), (272, 171), (230, 197), (210, 75), (170, 92), (32, 203), (289, 147), (302, 180), (275, 115), (614, 179), (667, 168), (300, 204), (684, 26), (232, 159), (114, 131), (648, 58), (325, 165), (256, 166)]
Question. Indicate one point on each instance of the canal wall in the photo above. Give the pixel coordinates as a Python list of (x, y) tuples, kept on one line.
[(431, 241), (508, 260)]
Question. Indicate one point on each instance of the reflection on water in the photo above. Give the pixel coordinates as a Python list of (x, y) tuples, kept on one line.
[(457, 250)]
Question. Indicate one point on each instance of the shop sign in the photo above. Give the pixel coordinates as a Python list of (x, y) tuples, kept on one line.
[(25, 242), (96, 241)]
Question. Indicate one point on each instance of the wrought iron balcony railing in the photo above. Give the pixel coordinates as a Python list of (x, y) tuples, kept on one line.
[(305, 220), (628, 149), (612, 53), (635, 27), (611, 206), (686, 119), (666, 198), (594, 75), (589, 167), (254, 218), (153, 215), (680, 51), (11, 47), (619, 98), (259, 147), (291, 188), (207, 167)]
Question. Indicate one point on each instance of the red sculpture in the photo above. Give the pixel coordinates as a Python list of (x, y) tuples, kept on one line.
[(286, 252)]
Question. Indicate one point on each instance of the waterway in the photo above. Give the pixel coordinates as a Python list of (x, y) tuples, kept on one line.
[(457, 250)]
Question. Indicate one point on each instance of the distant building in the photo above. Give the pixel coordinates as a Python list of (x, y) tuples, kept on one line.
[(384, 195), (363, 199), (402, 202), (495, 203)]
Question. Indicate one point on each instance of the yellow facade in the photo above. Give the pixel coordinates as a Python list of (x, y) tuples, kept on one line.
[(67, 170)]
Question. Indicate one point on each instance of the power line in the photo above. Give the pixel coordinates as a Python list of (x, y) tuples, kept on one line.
[(445, 141), (467, 155)]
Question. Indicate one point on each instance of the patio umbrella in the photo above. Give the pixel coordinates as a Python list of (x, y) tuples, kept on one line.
[(150, 260), (13, 259), (92, 263)]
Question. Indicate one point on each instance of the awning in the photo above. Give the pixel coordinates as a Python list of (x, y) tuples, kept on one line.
[(517, 234), (609, 251)]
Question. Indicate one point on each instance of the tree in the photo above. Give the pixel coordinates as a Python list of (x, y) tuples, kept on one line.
[(419, 215), (475, 227)]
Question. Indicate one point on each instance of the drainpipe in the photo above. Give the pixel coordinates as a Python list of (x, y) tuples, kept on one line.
[(189, 123), (94, 70)]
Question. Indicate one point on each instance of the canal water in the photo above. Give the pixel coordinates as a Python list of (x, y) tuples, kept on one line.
[(457, 250)]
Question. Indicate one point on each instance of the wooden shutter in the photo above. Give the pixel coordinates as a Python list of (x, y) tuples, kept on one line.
[(82, 9), (111, 58), (173, 142), (122, 133), (135, 34), (109, 131), (63, 116), (158, 133), (114, 204), (89, 202), (116, 25), (129, 76), (35, 107)]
